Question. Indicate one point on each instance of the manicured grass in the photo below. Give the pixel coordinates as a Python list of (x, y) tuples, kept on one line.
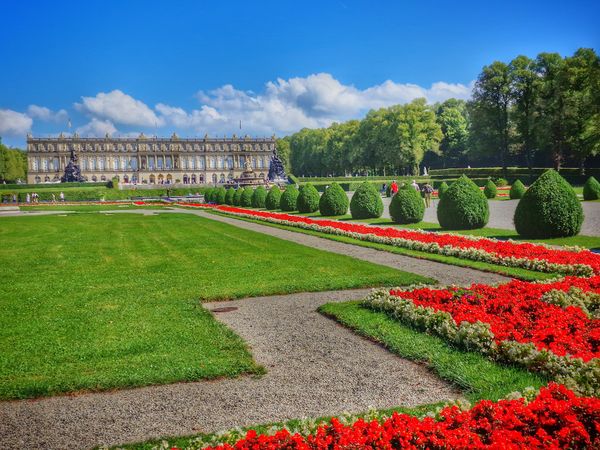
[(86, 208), (479, 377), (94, 301), (514, 272)]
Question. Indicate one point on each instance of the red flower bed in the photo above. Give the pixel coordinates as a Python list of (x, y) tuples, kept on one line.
[(515, 312), (503, 249), (555, 419)]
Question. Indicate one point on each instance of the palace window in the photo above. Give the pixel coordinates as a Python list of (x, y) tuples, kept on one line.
[(222, 178), (242, 161), (200, 162), (35, 163), (229, 161), (151, 162), (133, 163), (220, 162), (260, 163), (169, 162), (214, 178), (92, 163), (159, 162), (84, 164)]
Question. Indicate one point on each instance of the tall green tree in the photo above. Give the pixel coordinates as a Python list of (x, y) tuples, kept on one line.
[(13, 164), (525, 86), (490, 112), (452, 117)]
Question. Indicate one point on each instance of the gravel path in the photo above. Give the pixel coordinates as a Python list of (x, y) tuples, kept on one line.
[(314, 367), (503, 211)]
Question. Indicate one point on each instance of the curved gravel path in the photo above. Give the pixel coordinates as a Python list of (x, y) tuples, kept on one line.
[(314, 367)]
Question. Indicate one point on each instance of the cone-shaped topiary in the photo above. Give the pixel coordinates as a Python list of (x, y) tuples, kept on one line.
[(591, 189), (366, 202), (259, 197), (246, 199), (490, 190), (517, 190), (308, 199), (229, 196), (334, 201), (407, 206), (219, 195), (549, 208), (273, 197), (442, 189), (463, 206), (208, 195), (237, 197), (287, 202)]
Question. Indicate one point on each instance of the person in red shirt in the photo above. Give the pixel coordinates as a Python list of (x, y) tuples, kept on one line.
[(394, 187)]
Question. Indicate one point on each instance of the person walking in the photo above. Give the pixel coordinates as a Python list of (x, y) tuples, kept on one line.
[(427, 191), (61, 196), (53, 198), (415, 185), (394, 188), (28, 198)]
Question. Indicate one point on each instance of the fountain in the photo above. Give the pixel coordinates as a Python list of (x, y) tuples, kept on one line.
[(72, 171)]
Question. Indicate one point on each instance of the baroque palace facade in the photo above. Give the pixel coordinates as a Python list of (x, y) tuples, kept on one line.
[(149, 160)]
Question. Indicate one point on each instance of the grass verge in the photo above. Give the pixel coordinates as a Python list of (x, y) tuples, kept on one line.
[(94, 301)]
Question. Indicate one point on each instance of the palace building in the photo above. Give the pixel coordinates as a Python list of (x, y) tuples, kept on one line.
[(149, 160)]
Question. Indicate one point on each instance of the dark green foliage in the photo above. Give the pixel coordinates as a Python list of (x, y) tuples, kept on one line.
[(237, 197), (289, 198), (501, 182), (517, 190), (259, 197), (273, 197), (490, 190), (591, 189), (334, 201), (549, 208), (308, 199), (407, 206), (229, 196), (219, 195), (463, 206), (366, 202), (246, 199), (208, 195), (442, 189)]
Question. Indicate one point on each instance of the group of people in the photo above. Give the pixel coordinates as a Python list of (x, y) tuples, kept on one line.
[(34, 197), (426, 190)]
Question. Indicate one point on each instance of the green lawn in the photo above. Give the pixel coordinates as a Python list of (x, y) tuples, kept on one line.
[(94, 301), (86, 208)]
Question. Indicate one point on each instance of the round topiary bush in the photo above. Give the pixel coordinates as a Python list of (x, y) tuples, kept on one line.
[(229, 196), (208, 195), (463, 206), (442, 189), (259, 197), (273, 197), (287, 202), (490, 190), (517, 190), (501, 182), (591, 189), (407, 206), (308, 199), (334, 201), (549, 208), (246, 199), (237, 197), (366, 202), (219, 196)]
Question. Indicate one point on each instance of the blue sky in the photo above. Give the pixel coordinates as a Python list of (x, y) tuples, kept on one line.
[(201, 67)]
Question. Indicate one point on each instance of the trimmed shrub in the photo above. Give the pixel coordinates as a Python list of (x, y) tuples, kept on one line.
[(549, 208), (259, 197), (334, 201), (442, 189), (208, 195), (289, 198), (407, 206), (229, 196), (308, 199), (246, 199), (273, 197), (517, 190), (591, 189), (463, 206), (219, 195), (366, 202), (237, 197), (501, 182), (490, 190)]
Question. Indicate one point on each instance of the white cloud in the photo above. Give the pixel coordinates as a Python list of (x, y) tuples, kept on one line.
[(314, 101), (47, 115), (14, 123), (97, 128), (119, 107)]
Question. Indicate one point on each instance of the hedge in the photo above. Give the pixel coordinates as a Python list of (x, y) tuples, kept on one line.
[(549, 208), (246, 199), (229, 196), (366, 202), (52, 185), (308, 199), (219, 195), (571, 174), (100, 194), (463, 206), (237, 197), (490, 189), (334, 201), (591, 189), (407, 206), (517, 190), (289, 198), (259, 197), (273, 197)]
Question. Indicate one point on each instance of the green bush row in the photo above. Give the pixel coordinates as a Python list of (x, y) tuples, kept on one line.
[(34, 187), (572, 175), (100, 194)]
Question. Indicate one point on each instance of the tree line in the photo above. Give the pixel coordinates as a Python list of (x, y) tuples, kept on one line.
[(527, 112), (13, 164)]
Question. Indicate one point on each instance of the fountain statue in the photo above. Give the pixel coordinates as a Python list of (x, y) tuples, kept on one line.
[(72, 171), (276, 171)]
